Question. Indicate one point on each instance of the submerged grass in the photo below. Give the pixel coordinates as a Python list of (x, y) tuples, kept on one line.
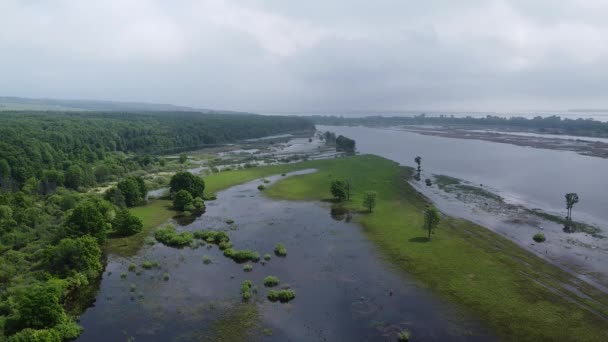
[(518, 294)]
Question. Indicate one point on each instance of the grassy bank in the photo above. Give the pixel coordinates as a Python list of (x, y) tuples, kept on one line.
[(152, 215), (518, 294)]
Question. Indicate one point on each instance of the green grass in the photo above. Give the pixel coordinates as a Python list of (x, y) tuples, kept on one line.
[(282, 296), (271, 281), (539, 237), (238, 324), (152, 215), (518, 294), (280, 250)]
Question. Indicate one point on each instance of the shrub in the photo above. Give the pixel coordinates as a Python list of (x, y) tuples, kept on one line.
[(267, 257), (126, 224), (246, 288), (280, 250), (404, 335), (266, 181), (123, 275), (198, 203), (166, 276), (206, 260), (132, 267), (212, 236), (539, 237), (261, 187), (282, 296), (241, 255), (168, 236), (428, 182), (150, 264), (248, 267), (182, 200), (133, 287), (271, 281), (225, 244)]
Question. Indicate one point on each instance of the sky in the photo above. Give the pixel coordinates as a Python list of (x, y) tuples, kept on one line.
[(310, 56)]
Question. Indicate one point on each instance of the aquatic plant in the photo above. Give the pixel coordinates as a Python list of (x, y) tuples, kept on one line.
[(404, 335), (282, 296), (133, 287), (206, 260), (267, 257), (165, 276), (170, 237), (246, 288), (212, 236), (241, 255), (132, 267), (150, 264), (248, 267), (271, 281), (123, 275), (280, 250), (539, 237)]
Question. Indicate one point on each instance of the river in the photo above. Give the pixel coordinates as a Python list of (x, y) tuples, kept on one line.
[(535, 178)]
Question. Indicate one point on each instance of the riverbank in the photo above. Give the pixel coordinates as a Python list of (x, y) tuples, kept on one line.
[(517, 293)]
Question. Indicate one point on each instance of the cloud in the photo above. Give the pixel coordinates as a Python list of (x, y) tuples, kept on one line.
[(337, 55)]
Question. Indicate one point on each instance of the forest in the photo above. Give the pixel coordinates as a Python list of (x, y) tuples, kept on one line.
[(549, 124), (53, 229)]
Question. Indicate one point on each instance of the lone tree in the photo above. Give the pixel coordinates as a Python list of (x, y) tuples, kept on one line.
[(431, 220), (418, 160), (338, 190), (369, 200), (189, 182), (571, 200)]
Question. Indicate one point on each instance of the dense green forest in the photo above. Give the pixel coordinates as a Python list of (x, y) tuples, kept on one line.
[(53, 229), (550, 124)]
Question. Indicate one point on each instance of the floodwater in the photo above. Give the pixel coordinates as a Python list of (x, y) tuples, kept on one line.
[(345, 291), (535, 178)]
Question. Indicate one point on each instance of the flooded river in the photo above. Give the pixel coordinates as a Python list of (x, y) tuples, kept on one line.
[(345, 291)]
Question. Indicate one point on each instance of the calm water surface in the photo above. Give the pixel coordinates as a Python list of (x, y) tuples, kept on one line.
[(344, 290), (537, 178)]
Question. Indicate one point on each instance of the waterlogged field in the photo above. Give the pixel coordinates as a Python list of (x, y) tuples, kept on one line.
[(355, 275)]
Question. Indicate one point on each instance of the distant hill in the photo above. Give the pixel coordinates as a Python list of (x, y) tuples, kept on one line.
[(22, 103)]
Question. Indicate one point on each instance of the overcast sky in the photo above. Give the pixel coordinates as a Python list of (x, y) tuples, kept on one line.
[(310, 55)]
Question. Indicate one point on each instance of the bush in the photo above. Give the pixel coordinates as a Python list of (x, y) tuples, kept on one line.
[(539, 237), (246, 288), (150, 264), (261, 187), (404, 335), (166, 276), (241, 255), (168, 236), (126, 224), (280, 250), (267, 257), (283, 296), (248, 267), (132, 267), (206, 260), (225, 244), (198, 203), (182, 200), (212, 236), (271, 281)]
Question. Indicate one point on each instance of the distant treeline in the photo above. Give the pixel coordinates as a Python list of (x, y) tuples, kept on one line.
[(550, 124), (34, 142)]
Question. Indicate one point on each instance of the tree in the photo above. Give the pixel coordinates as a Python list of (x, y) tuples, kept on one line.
[(183, 158), (134, 190), (87, 219), (431, 220), (571, 200), (126, 224), (115, 196), (189, 182), (338, 190), (80, 255), (182, 200), (369, 200), (198, 203), (36, 307), (345, 144), (74, 177), (418, 161)]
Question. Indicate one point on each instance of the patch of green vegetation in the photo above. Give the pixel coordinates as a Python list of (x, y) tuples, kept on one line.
[(148, 265), (248, 267), (280, 250), (206, 260), (155, 213), (267, 257), (212, 236), (229, 221), (404, 336), (442, 181), (242, 255), (246, 289), (267, 331), (282, 296), (539, 237), (261, 187), (123, 275), (271, 281), (466, 264), (165, 276), (455, 185), (238, 324), (167, 235), (132, 267)]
